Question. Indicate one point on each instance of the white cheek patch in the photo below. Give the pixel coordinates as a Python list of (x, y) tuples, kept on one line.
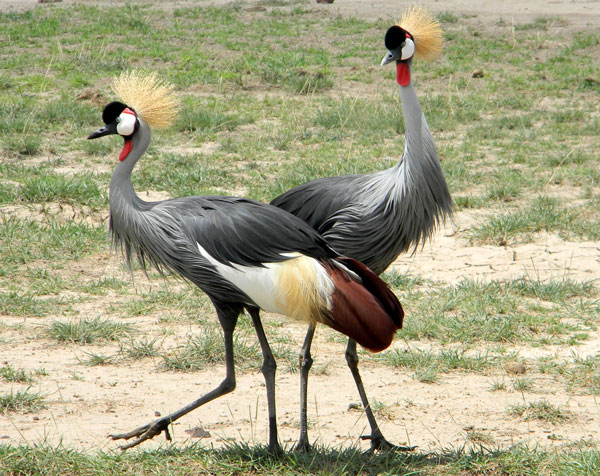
[(408, 50), (126, 124)]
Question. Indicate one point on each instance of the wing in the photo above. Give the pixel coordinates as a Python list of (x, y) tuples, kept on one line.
[(244, 232), (317, 201)]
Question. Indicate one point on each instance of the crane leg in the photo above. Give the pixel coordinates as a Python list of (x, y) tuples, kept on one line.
[(269, 367), (378, 442), (306, 362), (228, 318)]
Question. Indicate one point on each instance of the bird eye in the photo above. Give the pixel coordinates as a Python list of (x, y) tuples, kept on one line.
[(126, 124)]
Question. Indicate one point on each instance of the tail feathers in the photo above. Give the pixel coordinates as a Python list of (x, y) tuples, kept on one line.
[(378, 288), (366, 311)]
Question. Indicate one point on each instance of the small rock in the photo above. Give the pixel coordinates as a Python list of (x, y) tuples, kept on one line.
[(477, 74), (156, 414), (516, 368), (324, 1), (198, 432)]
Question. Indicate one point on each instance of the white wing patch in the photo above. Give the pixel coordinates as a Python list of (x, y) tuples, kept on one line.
[(297, 287)]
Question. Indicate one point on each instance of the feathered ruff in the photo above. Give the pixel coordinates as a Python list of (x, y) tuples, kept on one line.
[(426, 31), (365, 311), (153, 99)]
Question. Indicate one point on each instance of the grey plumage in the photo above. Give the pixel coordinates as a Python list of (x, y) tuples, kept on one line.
[(374, 218), (243, 255)]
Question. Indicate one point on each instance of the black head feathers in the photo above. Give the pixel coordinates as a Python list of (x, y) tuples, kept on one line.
[(112, 111), (394, 37)]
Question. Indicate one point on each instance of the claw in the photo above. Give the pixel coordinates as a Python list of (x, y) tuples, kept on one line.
[(379, 443), (144, 433)]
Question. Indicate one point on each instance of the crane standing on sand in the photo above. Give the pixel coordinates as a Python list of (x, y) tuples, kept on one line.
[(241, 253), (375, 217)]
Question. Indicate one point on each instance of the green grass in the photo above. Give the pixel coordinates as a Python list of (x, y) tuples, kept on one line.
[(518, 460), (522, 310), (21, 401), (88, 331), (428, 365), (544, 214), (541, 410), (8, 373), (207, 348)]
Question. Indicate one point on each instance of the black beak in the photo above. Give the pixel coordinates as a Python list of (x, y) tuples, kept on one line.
[(391, 55), (104, 131)]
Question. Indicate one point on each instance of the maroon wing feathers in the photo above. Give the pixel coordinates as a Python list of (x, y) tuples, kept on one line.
[(367, 312)]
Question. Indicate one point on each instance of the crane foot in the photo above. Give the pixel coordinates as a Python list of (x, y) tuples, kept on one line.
[(144, 433), (303, 446), (379, 443)]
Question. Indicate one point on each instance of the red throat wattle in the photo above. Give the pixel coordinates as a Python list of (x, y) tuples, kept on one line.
[(126, 149), (402, 73)]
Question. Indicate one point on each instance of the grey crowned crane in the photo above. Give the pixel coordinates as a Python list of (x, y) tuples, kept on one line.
[(375, 217), (241, 253)]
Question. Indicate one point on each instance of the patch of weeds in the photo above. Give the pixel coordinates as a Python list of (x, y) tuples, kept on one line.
[(305, 82), (92, 359), (402, 282), (382, 410), (50, 187), (208, 349), (480, 438), (553, 290), (22, 144), (522, 384), (541, 23), (139, 349), (188, 303), (10, 374), (209, 117), (428, 364), (447, 17), (102, 286), (545, 214), (361, 116), (14, 304), (584, 373), (541, 410), (88, 331), (27, 240), (21, 401)]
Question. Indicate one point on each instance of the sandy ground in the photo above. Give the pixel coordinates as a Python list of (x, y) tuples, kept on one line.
[(84, 404)]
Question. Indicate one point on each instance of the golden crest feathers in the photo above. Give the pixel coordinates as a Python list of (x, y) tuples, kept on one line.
[(154, 100), (426, 31)]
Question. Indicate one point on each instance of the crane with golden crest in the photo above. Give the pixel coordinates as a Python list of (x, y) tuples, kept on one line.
[(376, 217), (243, 254)]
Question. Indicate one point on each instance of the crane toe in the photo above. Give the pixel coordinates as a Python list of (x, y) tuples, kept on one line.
[(144, 433), (379, 443)]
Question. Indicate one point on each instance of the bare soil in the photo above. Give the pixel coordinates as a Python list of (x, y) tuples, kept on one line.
[(84, 404)]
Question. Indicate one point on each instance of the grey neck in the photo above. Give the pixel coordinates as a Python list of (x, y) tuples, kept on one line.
[(121, 190), (413, 123)]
